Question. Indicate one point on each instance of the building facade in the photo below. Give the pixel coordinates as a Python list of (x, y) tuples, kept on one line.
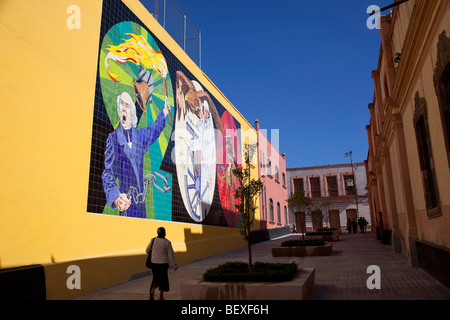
[(338, 191), (120, 133), (409, 133), (272, 169)]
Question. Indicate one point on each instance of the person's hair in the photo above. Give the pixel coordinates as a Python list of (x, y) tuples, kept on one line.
[(161, 232)]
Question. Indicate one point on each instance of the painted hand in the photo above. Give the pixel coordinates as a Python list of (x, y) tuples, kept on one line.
[(167, 107), (122, 202)]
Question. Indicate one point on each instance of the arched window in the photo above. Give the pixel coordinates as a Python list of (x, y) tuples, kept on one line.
[(278, 213), (263, 203), (444, 105), (442, 86), (286, 222), (425, 154), (271, 209)]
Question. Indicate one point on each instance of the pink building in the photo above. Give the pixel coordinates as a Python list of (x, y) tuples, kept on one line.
[(272, 171)]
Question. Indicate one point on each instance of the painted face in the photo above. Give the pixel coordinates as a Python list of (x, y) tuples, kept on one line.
[(125, 103)]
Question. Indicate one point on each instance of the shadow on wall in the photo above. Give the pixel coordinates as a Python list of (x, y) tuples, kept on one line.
[(194, 245)]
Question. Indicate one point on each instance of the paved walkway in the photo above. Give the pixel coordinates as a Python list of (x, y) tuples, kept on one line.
[(341, 276)]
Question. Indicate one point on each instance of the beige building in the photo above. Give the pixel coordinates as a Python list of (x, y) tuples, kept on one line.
[(408, 176), (338, 191)]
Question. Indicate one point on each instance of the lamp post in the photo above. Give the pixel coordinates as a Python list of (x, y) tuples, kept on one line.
[(354, 181)]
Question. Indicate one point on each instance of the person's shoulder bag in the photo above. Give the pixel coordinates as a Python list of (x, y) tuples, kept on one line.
[(148, 263)]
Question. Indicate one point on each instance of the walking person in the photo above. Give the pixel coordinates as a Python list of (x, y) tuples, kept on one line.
[(162, 254), (354, 225), (361, 224)]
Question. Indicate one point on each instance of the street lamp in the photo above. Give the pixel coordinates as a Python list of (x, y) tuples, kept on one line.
[(351, 182)]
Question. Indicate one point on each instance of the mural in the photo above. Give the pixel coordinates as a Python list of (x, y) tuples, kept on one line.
[(228, 156), (133, 73), (162, 146), (195, 147)]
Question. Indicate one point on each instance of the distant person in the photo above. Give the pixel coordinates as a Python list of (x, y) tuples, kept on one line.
[(354, 225), (366, 223), (380, 221), (162, 253), (361, 224), (380, 225), (349, 226)]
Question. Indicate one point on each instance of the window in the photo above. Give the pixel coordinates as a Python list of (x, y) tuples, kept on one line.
[(283, 175), (444, 104), (262, 163), (332, 186), (425, 156), (286, 216), (269, 166), (350, 187), (298, 185), (278, 213), (263, 203), (386, 89), (277, 176), (271, 209), (315, 187), (442, 86)]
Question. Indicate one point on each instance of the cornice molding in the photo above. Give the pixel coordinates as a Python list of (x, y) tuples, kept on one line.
[(424, 21)]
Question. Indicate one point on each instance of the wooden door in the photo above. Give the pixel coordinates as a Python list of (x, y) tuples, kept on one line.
[(335, 221)]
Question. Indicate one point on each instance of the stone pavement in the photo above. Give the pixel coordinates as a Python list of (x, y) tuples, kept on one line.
[(341, 276)]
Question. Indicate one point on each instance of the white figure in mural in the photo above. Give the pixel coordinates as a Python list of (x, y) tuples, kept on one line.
[(195, 147)]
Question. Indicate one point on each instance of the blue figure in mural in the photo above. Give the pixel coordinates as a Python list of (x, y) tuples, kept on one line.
[(124, 157)]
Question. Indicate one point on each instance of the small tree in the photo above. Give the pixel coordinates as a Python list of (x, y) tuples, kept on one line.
[(247, 193), (299, 202)]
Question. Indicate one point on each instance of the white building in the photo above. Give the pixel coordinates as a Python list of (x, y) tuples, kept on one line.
[(333, 189)]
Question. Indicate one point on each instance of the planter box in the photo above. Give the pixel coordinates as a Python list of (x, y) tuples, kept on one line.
[(337, 231), (333, 237), (302, 251), (299, 288)]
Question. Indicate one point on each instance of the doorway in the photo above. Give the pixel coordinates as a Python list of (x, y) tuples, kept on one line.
[(300, 222), (335, 221)]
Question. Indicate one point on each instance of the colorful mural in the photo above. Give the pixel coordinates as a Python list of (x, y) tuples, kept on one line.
[(162, 146), (131, 65), (228, 157)]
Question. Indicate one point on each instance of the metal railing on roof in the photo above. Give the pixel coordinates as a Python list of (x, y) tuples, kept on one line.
[(175, 22)]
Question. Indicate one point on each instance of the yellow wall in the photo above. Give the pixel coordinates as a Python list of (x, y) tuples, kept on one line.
[(47, 91)]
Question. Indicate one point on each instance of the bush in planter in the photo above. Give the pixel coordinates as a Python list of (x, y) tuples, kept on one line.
[(262, 272), (326, 229), (320, 233), (303, 243)]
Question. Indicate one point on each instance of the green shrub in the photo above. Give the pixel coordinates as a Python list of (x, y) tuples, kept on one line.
[(262, 272), (320, 233), (303, 243), (327, 229)]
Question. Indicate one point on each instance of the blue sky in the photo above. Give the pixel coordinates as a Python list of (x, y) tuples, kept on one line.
[(302, 67)]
